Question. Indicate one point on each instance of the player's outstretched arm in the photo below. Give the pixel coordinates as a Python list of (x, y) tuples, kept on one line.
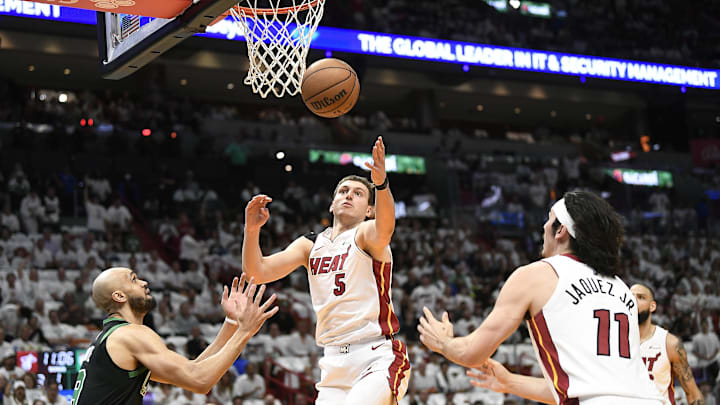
[(266, 269), (198, 376), (376, 234), (681, 370), (495, 377), (512, 304)]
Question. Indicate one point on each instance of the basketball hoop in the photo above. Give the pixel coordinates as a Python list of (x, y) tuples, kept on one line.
[(278, 39)]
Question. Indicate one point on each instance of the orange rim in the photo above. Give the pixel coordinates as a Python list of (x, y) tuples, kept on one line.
[(283, 10)]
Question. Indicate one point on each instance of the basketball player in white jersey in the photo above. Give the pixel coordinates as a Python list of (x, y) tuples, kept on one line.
[(349, 268), (663, 353), (582, 318)]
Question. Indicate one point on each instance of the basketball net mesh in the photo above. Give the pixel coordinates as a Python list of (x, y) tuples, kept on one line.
[(278, 39)]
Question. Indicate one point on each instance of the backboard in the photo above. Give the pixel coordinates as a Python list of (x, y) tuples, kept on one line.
[(128, 42)]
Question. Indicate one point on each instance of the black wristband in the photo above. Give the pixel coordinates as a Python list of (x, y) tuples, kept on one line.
[(382, 186)]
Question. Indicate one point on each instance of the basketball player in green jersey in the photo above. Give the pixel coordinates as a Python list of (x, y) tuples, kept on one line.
[(126, 354)]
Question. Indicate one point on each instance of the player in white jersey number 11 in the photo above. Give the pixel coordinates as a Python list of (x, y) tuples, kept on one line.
[(582, 318), (349, 269), (662, 352)]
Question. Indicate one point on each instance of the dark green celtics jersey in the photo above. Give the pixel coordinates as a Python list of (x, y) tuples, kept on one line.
[(100, 381)]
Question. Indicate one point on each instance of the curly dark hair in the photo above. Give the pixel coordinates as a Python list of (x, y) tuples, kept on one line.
[(598, 231)]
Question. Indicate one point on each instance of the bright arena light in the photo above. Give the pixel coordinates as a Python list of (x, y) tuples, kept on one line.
[(62, 98), (280, 155)]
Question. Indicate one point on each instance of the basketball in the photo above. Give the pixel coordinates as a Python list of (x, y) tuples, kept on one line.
[(330, 88)]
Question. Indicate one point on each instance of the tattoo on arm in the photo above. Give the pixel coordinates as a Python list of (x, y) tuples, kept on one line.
[(681, 367), (682, 371)]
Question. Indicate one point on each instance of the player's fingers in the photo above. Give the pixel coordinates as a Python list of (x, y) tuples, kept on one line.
[(424, 328), (225, 294), (234, 285), (370, 166), (480, 378), (241, 282), (445, 317), (475, 374), (259, 294), (267, 303), (491, 363), (269, 314), (243, 285), (428, 314), (479, 384), (257, 201), (251, 291), (246, 288), (425, 340)]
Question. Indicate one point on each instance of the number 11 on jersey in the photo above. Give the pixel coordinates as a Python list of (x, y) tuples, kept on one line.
[(603, 335)]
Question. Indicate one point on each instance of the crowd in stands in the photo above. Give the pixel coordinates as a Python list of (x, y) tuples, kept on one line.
[(47, 122), (622, 28)]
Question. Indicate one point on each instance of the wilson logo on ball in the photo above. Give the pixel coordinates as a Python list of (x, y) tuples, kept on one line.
[(330, 88), (328, 101)]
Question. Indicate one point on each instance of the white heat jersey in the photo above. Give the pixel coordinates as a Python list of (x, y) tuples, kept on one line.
[(588, 341), (350, 291), (654, 354)]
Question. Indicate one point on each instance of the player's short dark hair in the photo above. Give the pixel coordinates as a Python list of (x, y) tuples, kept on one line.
[(598, 231), (652, 292), (363, 180)]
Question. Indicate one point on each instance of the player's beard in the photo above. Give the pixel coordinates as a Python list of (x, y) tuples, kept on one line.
[(142, 305), (643, 316)]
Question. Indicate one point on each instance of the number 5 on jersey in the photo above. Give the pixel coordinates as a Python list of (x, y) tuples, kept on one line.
[(339, 284)]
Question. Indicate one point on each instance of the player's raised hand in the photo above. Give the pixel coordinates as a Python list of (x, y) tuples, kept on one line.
[(491, 375), (256, 212), (252, 313), (433, 333), (377, 168), (231, 299)]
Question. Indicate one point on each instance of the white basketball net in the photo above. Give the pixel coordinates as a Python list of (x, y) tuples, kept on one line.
[(278, 39)]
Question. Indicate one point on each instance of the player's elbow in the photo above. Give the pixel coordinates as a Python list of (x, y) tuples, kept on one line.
[(251, 268), (198, 380), (387, 234), (201, 386), (383, 235), (251, 271)]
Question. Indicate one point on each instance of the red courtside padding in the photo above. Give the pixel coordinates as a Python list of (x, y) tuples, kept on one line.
[(148, 8)]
